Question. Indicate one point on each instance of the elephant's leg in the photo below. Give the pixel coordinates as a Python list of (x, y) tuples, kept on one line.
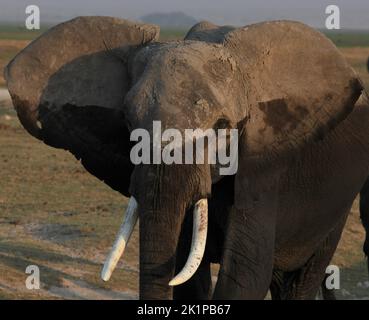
[(327, 294), (364, 215), (281, 282), (311, 276), (248, 253), (199, 287), (277, 285)]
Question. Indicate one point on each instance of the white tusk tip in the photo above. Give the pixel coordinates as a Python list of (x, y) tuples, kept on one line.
[(105, 277), (175, 282)]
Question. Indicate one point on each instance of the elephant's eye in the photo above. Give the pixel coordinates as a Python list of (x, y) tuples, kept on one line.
[(222, 123)]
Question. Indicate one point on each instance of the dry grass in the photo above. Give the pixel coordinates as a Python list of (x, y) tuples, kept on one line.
[(8, 49), (55, 215), (358, 58)]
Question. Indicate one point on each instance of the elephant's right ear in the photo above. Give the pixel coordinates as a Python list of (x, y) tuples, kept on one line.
[(299, 86), (71, 65), (68, 87)]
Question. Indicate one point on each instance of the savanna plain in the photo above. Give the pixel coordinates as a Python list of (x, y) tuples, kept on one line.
[(55, 215)]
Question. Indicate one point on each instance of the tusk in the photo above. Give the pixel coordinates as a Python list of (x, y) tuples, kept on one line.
[(125, 232), (199, 233)]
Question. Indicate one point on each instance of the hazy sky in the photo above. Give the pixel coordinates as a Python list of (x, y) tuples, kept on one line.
[(354, 13)]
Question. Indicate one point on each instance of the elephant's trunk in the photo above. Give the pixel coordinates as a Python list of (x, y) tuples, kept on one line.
[(162, 206), (158, 245)]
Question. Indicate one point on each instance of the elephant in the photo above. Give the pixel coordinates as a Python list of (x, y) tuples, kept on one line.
[(303, 152), (364, 215)]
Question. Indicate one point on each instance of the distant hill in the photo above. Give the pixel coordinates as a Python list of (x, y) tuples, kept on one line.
[(176, 20)]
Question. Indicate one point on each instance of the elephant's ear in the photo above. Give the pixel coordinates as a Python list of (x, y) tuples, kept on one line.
[(68, 87), (298, 85), (70, 64)]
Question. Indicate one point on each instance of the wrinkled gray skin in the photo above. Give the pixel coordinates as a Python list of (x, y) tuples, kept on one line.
[(303, 142)]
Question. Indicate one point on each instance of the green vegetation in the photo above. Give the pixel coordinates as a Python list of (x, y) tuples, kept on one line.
[(17, 32), (172, 34), (341, 38), (349, 38)]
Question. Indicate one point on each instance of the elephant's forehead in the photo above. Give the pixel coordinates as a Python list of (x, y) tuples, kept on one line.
[(191, 73), (190, 53), (184, 84)]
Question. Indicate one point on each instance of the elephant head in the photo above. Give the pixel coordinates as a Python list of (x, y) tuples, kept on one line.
[(87, 84)]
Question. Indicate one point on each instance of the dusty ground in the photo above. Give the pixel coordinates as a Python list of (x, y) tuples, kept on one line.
[(55, 215)]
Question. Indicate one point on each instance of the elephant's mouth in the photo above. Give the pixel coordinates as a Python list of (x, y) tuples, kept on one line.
[(198, 244)]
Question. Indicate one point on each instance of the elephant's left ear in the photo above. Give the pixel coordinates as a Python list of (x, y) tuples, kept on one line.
[(68, 87), (81, 62), (299, 85)]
